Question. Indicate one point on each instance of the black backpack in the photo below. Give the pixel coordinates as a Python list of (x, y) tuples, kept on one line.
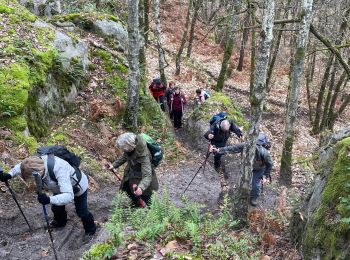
[(63, 153)]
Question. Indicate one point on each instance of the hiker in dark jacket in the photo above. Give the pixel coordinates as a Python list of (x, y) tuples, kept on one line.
[(139, 179), (218, 134), (157, 89), (169, 91), (262, 164), (62, 190), (178, 100)]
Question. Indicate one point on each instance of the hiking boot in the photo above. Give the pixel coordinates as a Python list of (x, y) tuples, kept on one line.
[(55, 224), (254, 202), (87, 238)]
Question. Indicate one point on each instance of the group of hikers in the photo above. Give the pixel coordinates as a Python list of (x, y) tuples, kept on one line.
[(173, 99), (56, 169)]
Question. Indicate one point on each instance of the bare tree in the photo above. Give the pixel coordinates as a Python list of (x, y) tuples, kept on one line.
[(293, 94), (198, 4), (183, 40), (257, 97), (161, 59), (132, 105), (146, 19), (232, 27)]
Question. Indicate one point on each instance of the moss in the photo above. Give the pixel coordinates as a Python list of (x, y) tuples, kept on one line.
[(5, 10), (16, 12), (119, 86), (100, 251), (58, 138), (28, 141), (216, 103), (324, 229), (16, 123)]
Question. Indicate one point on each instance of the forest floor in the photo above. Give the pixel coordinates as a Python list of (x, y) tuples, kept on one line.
[(276, 202)]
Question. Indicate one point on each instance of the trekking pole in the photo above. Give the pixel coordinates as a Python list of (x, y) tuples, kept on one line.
[(39, 190), (19, 207), (202, 165)]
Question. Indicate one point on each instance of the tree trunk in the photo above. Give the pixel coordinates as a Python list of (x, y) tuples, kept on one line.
[(275, 47), (253, 43), (293, 95), (98, 4), (132, 105), (340, 111), (193, 25), (228, 48), (146, 19), (142, 32), (309, 80), (243, 42), (183, 40), (332, 116), (316, 124), (161, 57), (257, 97), (329, 96)]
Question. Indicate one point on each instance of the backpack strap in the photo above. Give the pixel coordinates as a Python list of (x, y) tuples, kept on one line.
[(50, 165)]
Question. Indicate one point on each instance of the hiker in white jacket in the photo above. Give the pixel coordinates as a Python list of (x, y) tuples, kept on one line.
[(67, 184)]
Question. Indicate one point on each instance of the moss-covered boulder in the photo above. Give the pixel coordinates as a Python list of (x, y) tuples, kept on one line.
[(42, 7), (322, 225), (40, 71), (198, 122), (110, 27)]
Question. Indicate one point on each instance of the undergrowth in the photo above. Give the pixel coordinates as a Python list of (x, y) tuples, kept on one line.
[(202, 235)]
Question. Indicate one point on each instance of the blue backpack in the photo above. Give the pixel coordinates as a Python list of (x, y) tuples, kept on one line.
[(217, 118)]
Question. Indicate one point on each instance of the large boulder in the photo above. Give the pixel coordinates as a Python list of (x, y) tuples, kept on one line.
[(321, 224), (43, 70), (112, 30), (43, 7)]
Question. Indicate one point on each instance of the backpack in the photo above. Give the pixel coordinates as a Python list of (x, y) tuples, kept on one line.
[(263, 141), (63, 153), (206, 94), (154, 149), (217, 118)]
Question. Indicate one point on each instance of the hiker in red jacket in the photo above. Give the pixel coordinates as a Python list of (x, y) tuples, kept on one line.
[(178, 101), (157, 89)]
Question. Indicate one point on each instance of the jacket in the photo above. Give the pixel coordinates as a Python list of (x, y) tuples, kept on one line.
[(66, 179), (139, 169), (221, 137), (262, 159), (157, 90), (177, 102)]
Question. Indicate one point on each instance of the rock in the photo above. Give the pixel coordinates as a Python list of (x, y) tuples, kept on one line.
[(112, 30), (315, 224), (45, 8)]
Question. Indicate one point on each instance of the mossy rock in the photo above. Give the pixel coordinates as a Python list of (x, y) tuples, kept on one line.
[(35, 87), (85, 20), (326, 235)]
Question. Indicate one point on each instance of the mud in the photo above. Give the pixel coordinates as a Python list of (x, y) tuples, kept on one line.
[(17, 243)]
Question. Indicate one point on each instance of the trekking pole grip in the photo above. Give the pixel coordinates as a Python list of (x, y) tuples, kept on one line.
[(38, 182)]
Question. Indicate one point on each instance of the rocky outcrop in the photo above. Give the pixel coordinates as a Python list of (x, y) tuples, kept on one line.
[(114, 31), (41, 74), (319, 226), (43, 7)]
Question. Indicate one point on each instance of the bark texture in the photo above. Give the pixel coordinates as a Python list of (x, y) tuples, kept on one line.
[(257, 98), (161, 57), (132, 105), (293, 94)]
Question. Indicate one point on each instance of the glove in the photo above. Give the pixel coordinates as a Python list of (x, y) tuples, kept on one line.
[(43, 199), (4, 177)]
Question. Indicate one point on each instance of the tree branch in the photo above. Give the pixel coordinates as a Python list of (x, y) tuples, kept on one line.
[(329, 45)]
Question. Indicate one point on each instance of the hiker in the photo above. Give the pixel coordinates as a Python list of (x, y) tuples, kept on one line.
[(262, 164), (178, 100), (169, 91), (218, 134), (65, 189), (201, 96), (139, 179), (157, 89)]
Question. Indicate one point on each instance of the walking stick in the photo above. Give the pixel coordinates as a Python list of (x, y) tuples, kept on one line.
[(39, 190), (202, 165), (19, 207)]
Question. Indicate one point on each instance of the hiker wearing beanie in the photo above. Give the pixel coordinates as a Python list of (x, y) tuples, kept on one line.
[(62, 189), (139, 179)]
